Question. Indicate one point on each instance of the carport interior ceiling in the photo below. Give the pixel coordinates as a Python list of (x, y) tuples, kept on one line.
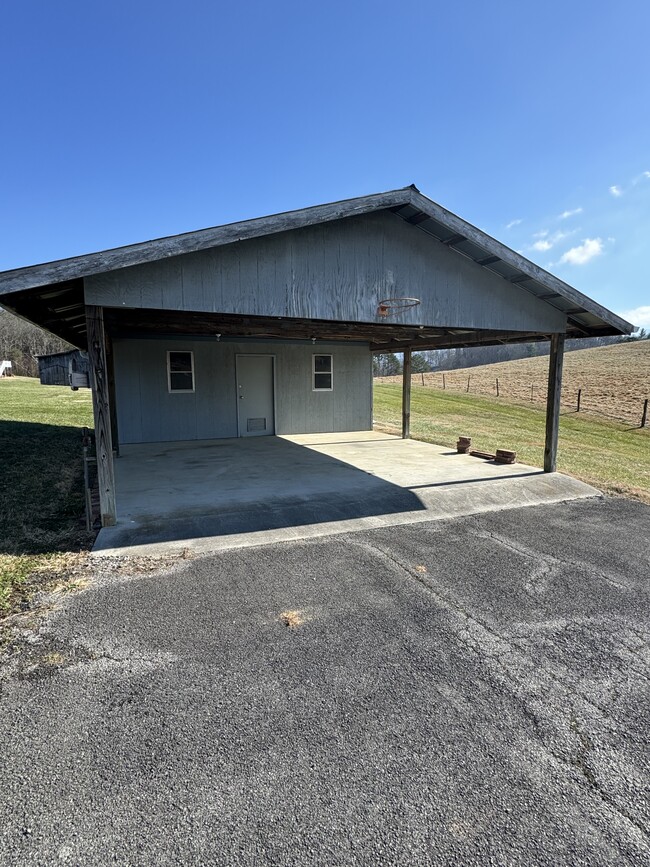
[(52, 295), (385, 337)]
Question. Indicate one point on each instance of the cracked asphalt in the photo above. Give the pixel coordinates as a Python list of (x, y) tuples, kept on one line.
[(465, 692)]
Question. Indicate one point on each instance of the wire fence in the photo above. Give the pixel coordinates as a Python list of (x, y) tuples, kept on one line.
[(601, 400)]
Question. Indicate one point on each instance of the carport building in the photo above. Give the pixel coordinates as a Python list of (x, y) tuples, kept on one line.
[(268, 326)]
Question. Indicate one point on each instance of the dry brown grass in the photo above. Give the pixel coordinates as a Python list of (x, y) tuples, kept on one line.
[(615, 380)]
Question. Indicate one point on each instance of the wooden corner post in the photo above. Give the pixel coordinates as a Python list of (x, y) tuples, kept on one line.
[(102, 413), (406, 395), (554, 394)]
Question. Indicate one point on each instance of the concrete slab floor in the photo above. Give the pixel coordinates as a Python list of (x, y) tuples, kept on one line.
[(217, 494)]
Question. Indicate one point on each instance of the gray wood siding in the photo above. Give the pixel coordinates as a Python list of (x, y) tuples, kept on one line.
[(147, 412), (334, 271)]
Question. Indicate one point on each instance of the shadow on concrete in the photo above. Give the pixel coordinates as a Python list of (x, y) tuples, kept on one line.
[(234, 492), (173, 491), (446, 484)]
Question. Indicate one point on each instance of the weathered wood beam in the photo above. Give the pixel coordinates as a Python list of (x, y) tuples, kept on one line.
[(102, 413), (416, 219), (406, 395), (555, 364), (455, 239), (476, 338)]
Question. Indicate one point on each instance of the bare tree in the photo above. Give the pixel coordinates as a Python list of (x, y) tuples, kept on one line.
[(21, 342)]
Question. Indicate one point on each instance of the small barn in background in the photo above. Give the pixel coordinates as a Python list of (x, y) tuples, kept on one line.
[(268, 326), (65, 368)]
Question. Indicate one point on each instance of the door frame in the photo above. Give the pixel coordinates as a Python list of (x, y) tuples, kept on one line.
[(273, 357)]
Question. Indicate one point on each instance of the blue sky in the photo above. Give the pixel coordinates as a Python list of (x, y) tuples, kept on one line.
[(127, 121)]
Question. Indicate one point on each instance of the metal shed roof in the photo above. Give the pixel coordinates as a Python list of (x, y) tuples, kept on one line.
[(56, 293)]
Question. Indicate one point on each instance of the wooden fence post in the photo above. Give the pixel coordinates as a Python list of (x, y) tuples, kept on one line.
[(468, 379), (444, 384), (497, 386), (579, 396), (644, 417)]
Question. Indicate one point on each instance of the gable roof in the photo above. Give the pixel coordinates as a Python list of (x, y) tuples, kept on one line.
[(585, 315)]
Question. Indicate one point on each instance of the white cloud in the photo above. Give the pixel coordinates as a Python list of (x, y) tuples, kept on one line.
[(546, 241), (639, 316), (616, 191), (644, 176), (566, 214), (513, 223), (583, 253)]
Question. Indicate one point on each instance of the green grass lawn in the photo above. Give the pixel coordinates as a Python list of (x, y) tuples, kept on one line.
[(41, 487), (614, 457)]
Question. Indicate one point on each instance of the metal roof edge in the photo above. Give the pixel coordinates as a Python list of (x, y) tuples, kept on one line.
[(496, 248)]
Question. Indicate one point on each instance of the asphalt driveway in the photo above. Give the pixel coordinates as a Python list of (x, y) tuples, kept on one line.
[(472, 691)]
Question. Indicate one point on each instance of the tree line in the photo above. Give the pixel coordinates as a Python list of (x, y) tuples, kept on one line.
[(21, 342), (390, 364)]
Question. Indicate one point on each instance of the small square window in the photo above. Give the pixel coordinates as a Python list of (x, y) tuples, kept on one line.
[(180, 371), (322, 373)]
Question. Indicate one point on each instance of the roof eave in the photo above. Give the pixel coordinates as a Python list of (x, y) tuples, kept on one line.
[(506, 254), (116, 258), (52, 273)]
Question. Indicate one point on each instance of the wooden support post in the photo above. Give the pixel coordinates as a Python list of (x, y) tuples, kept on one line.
[(497, 386), (406, 395), (555, 364), (444, 384), (644, 417), (579, 398), (102, 413)]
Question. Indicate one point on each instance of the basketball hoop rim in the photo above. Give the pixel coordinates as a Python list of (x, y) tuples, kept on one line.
[(389, 306)]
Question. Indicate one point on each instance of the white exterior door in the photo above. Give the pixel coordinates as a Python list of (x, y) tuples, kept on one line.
[(255, 395)]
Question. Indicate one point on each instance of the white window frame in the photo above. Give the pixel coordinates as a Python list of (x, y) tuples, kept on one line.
[(314, 371), (169, 373)]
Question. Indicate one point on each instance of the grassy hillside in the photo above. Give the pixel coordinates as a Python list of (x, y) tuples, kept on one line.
[(614, 380), (41, 490), (610, 455)]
